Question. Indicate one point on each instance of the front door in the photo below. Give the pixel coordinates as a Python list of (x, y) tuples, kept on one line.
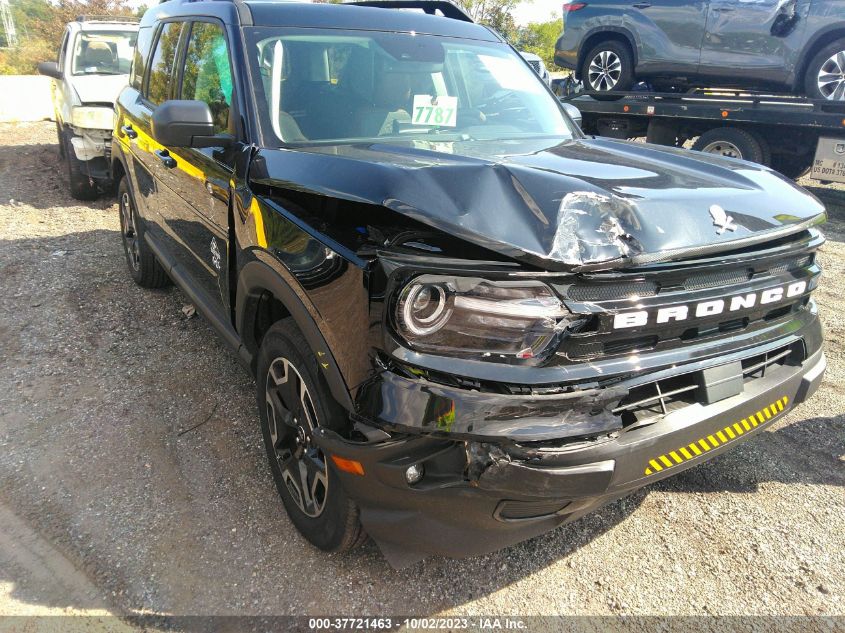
[(196, 218), (751, 41), (670, 33)]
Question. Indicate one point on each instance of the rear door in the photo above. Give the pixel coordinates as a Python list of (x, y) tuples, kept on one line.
[(749, 42), (151, 83)]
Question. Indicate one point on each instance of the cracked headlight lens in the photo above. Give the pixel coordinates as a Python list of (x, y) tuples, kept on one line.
[(479, 318)]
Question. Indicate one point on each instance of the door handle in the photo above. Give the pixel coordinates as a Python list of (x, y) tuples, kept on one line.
[(127, 129), (165, 157), (641, 5), (723, 8)]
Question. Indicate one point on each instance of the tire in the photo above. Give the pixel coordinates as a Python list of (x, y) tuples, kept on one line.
[(81, 186), (144, 268), (60, 136), (765, 148), (612, 66), (830, 60), (792, 166), (325, 516), (733, 142)]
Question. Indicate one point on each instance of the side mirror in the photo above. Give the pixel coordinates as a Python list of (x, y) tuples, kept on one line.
[(50, 69), (183, 123), (573, 112)]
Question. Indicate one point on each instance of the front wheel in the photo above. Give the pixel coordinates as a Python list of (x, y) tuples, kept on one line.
[(825, 78), (82, 187), (292, 403), (608, 67)]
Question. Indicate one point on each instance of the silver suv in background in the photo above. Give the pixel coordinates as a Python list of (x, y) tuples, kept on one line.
[(90, 70), (793, 45), (536, 62)]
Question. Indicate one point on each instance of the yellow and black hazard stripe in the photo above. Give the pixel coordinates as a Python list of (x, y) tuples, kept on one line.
[(714, 440)]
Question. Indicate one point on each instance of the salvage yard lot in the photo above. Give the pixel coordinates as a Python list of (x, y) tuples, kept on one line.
[(132, 466)]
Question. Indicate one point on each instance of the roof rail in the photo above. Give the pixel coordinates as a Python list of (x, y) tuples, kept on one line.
[(431, 7), (107, 18)]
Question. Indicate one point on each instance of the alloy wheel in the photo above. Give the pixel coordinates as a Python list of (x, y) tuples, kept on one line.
[(130, 231), (604, 71), (292, 418), (831, 79)]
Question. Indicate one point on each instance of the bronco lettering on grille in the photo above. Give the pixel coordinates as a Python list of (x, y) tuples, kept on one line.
[(708, 308)]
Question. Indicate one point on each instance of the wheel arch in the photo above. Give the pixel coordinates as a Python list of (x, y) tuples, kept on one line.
[(117, 165), (264, 297), (822, 38), (603, 34)]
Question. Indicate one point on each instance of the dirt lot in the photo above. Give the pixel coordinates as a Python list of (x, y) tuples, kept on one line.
[(133, 478)]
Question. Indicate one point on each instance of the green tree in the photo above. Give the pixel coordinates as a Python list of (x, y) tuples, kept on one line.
[(497, 14), (539, 38), (40, 24)]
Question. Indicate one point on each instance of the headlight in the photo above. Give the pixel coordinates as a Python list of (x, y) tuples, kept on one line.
[(92, 117), (473, 317)]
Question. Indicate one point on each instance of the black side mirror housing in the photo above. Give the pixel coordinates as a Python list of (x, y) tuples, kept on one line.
[(184, 123), (50, 69)]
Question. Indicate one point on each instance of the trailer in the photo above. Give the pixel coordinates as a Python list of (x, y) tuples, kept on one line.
[(788, 133)]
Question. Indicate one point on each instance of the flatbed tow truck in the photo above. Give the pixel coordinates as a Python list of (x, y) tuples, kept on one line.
[(789, 133)]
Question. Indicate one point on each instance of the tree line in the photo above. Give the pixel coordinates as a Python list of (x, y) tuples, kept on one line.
[(40, 23)]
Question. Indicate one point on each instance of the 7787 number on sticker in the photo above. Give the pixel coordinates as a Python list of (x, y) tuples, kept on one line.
[(442, 111)]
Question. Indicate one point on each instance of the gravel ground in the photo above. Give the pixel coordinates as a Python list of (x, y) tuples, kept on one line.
[(111, 500)]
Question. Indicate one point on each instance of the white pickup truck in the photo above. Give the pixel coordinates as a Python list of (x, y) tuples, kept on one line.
[(91, 68)]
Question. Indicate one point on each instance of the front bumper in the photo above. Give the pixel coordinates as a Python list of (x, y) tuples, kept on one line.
[(89, 145), (478, 497)]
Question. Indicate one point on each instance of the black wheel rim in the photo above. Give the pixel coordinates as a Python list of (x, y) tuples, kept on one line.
[(129, 231), (291, 419)]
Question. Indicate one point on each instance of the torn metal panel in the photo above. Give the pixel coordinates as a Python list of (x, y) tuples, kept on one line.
[(594, 203)]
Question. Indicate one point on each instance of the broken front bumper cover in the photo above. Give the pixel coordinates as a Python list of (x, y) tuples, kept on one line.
[(477, 497)]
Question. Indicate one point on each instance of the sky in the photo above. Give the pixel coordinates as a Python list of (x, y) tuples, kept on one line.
[(527, 11), (537, 11)]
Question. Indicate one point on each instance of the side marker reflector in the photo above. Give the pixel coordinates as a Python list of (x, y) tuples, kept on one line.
[(348, 465)]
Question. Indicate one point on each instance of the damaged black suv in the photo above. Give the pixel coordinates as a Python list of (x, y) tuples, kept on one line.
[(468, 322)]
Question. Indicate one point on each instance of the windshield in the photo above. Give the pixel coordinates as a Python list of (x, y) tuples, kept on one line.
[(103, 52), (323, 86)]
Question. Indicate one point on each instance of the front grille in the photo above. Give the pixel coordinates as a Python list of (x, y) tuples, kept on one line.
[(717, 279), (599, 290), (648, 402), (597, 298), (609, 292), (535, 65)]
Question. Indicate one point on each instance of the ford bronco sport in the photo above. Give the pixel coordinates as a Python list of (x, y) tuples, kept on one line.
[(468, 323)]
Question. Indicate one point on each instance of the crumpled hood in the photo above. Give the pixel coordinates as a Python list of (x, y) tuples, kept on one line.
[(594, 203), (98, 88)]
